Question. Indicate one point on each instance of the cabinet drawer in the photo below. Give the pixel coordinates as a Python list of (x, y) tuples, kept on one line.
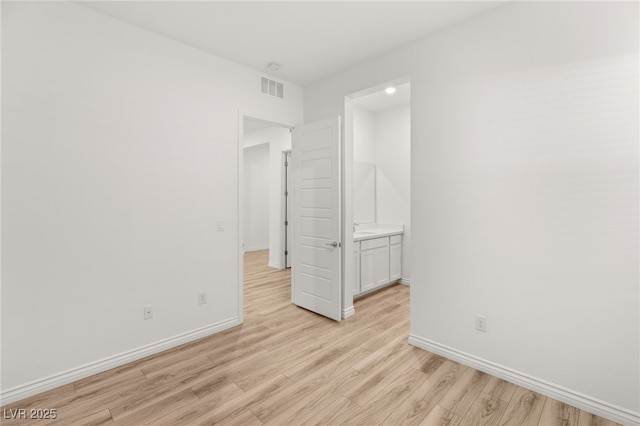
[(374, 243), (395, 239)]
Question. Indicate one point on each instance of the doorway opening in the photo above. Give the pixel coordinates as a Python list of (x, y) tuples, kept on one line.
[(262, 179), (378, 134), (315, 207)]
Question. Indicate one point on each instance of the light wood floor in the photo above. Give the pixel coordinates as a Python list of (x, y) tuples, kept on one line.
[(288, 366)]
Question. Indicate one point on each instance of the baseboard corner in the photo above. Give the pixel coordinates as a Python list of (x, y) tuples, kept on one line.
[(584, 402), (275, 265), (348, 312)]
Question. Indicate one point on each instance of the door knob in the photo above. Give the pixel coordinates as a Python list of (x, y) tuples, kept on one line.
[(333, 244)]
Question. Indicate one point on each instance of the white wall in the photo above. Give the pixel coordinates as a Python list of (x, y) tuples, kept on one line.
[(392, 147), (363, 136), (524, 194), (256, 197), (279, 139), (383, 138), (119, 155), (364, 171)]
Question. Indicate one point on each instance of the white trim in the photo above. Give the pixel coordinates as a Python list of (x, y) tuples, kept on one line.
[(53, 381), (275, 265), (405, 281), (257, 248), (346, 210), (240, 216), (349, 312), (584, 402), (282, 258)]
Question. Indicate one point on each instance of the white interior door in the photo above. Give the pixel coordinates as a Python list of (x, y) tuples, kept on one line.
[(316, 218)]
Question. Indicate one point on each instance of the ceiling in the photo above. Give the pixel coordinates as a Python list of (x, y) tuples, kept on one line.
[(381, 101), (310, 39)]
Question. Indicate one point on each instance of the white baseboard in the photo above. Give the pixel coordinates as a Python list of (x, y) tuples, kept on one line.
[(275, 265), (258, 248), (349, 312), (53, 381), (576, 399), (405, 281)]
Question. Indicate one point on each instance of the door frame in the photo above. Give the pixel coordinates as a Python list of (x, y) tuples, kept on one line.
[(287, 199), (240, 182)]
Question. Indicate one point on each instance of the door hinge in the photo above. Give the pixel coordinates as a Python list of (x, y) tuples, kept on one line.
[(286, 223), (286, 164), (286, 252)]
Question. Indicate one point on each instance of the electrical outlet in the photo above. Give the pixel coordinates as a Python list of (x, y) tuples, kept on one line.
[(202, 298), (481, 323), (148, 312)]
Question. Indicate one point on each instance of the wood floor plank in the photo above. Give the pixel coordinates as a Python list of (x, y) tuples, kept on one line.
[(525, 408), (332, 410), (499, 388), (430, 363), (369, 385), (241, 403), (194, 409), (420, 402), (386, 401), (485, 410), (43, 399), (288, 366), (206, 383), (276, 361), (317, 384), (246, 418), (588, 419), (324, 359), (440, 416), (101, 418), (396, 352), (558, 413), (153, 408), (464, 392)]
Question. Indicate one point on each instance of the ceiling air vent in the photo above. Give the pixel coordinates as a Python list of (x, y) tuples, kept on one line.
[(271, 87)]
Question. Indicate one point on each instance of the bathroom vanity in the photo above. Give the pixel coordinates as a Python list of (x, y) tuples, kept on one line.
[(377, 256)]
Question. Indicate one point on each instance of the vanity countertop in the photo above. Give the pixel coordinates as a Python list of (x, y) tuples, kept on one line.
[(376, 231)]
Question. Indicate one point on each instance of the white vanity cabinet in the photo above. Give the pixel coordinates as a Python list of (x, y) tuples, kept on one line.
[(378, 262), (356, 268), (395, 257)]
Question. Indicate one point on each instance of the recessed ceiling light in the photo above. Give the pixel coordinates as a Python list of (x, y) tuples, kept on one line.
[(390, 90), (274, 66)]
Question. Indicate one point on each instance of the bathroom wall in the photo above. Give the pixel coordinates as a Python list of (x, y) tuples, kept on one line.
[(384, 139), (363, 136), (392, 149)]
